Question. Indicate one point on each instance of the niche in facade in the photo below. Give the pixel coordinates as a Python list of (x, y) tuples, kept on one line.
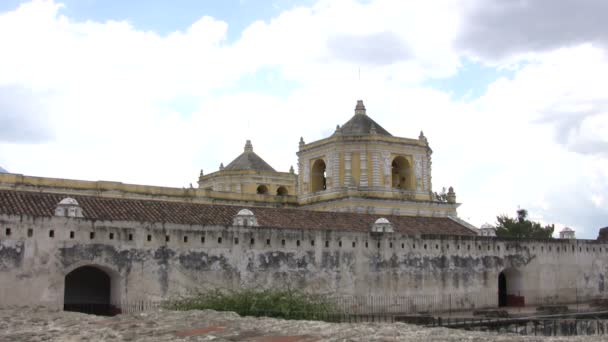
[(318, 179), (401, 173)]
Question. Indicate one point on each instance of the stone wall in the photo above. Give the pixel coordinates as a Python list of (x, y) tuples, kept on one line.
[(153, 261)]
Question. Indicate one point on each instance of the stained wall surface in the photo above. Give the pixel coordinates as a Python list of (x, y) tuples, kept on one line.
[(154, 261)]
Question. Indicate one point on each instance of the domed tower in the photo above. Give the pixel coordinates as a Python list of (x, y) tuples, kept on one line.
[(361, 167), (249, 174)]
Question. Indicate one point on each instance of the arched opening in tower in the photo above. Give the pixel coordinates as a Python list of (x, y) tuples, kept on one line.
[(262, 190), (318, 180), (401, 173), (281, 191), (88, 290)]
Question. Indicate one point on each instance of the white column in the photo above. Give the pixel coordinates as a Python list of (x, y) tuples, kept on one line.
[(375, 168), (347, 169), (363, 167)]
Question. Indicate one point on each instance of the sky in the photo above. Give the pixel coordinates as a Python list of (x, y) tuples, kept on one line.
[(510, 94)]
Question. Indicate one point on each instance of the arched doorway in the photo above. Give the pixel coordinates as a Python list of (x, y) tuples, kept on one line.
[(510, 288), (400, 169), (317, 177), (88, 289), (502, 290)]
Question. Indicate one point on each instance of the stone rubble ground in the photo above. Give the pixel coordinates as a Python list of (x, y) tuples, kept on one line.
[(41, 324)]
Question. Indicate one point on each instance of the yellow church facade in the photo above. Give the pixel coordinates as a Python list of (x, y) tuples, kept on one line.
[(360, 168)]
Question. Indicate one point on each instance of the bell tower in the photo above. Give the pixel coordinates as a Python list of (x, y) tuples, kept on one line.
[(361, 167)]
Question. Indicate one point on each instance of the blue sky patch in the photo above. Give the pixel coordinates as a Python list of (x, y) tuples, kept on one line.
[(471, 80)]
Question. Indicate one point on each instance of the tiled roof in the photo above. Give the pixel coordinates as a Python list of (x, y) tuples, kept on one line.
[(249, 161), (361, 124), (119, 209)]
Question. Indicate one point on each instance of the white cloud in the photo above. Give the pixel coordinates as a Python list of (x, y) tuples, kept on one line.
[(113, 102)]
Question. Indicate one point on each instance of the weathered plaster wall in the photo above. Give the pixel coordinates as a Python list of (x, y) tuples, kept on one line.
[(151, 261)]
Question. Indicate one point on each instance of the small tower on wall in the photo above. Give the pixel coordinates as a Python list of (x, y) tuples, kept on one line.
[(363, 168), (567, 233)]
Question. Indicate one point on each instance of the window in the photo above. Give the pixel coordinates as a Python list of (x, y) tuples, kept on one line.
[(30, 232), (202, 239), (149, 238), (51, 233), (167, 238), (8, 232), (130, 237), (268, 242), (236, 241), (185, 239), (71, 235), (297, 243), (252, 242), (219, 240), (282, 242), (366, 245), (402, 246), (354, 244), (92, 235), (390, 245), (326, 243), (312, 242), (339, 243), (111, 236)]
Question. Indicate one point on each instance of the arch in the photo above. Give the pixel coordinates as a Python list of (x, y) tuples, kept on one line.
[(510, 288), (318, 175), (282, 191), (262, 189), (91, 289), (401, 173)]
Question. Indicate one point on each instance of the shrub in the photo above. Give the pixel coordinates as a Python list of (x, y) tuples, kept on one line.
[(288, 304)]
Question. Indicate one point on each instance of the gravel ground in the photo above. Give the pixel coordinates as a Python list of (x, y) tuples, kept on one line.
[(41, 324)]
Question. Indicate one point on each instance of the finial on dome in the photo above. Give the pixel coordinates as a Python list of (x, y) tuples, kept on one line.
[(201, 174), (221, 166), (301, 141), (338, 130), (248, 146), (291, 169), (360, 108), (421, 137)]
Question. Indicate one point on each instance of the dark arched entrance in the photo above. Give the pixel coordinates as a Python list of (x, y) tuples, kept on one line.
[(88, 290), (502, 290)]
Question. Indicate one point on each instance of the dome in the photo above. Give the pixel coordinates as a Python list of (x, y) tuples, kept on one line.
[(248, 160), (3, 170), (567, 229), (361, 124), (68, 201), (382, 220), (486, 225), (245, 212)]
